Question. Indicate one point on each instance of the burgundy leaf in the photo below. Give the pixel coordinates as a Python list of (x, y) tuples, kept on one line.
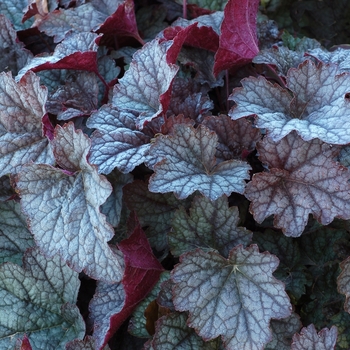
[(238, 40), (302, 179), (142, 271), (237, 138), (146, 86), (23, 344), (77, 52), (310, 339)]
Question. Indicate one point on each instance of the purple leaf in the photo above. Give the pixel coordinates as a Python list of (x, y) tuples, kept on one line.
[(236, 138), (234, 298), (142, 271), (117, 143), (238, 40), (187, 163), (303, 179), (146, 86), (78, 51), (209, 225), (39, 300), (23, 344), (22, 107), (87, 344), (62, 207), (310, 339), (317, 108)]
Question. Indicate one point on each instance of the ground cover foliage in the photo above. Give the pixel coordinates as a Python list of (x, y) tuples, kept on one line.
[(174, 175)]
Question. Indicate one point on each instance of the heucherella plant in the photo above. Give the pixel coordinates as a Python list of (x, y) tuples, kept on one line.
[(174, 175)]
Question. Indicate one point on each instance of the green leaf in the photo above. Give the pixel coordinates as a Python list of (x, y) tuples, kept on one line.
[(186, 163), (39, 300), (210, 225), (235, 297), (15, 237)]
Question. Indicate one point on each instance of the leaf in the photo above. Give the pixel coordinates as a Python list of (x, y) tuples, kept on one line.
[(15, 237), (343, 282), (39, 300), (173, 333), (295, 187), (238, 40), (216, 5), (235, 297), (283, 331), (62, 206), (340, 57), (291, 270), (78, 51), (146, 86), (237, 138), (154, 210), (138, 321), (78, 97), (22, 107), (209, 225), (13, 10), (23, 344), (187, 163), (13, 54), (142, 271), (87, 344), (309, 338), (317, 108), (117, 143), (107, 16)]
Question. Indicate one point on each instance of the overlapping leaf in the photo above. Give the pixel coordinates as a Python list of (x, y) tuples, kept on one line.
[(295, 187), (309, 338), (13, 55), (209, 225), (15, 237), (234, 298), (187, 163), (340, 56), (283, 331), (317, 108), (238, 40), (146, 86), (78, 51), (113, 303), (63, 207), (237, 138), (88, 343), (117, 143), (13, 10), (22, 107), (172, 332), (39, 300), (154, 210)]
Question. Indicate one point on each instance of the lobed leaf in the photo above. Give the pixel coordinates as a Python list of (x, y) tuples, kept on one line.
[(317, 108), (22, 108), (209, 225), (295, 187), (146, 86), (62, 207), (234, 298), (39, 300), (117, 143), (186, 163), (309, 338), (343, 282)]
